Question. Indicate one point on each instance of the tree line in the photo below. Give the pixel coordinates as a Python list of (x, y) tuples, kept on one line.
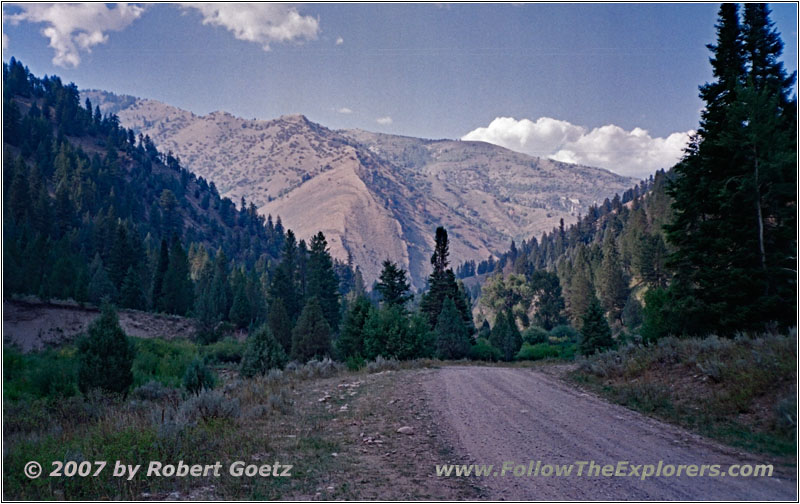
[(93, 212), (709, 247)]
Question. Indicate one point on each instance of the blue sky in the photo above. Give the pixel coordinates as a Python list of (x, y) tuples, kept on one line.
[(602, 84)]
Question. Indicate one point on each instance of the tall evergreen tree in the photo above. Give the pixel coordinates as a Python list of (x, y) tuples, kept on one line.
[(392, 284), (452, 339), (505, 335), (280, 325), (177, 290), (595, 332), (323, 283), (612, 286), (311, 336), (734, 193), (131, 294), (548, 301), (240, 313), (100, 285), (442, 284), (284, 282), (158, 277), (351, 339), (581, 288)]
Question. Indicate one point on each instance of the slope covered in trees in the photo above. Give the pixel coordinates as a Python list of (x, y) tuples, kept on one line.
[(93, 212), (707, 247)]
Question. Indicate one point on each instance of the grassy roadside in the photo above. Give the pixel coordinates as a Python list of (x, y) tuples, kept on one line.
[(336, 427), (741, 392)]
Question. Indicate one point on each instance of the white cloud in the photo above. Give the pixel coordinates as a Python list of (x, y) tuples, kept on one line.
[(73, 28), (384, 120), (339, 41), (633, 153), (345, 110), (5, 42), (262, 23)]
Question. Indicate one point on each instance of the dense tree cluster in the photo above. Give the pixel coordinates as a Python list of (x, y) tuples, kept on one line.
[(707, 247), (734, 230), (95, 213)]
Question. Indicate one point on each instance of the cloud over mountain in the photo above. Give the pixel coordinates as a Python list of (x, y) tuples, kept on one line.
[(260, 23), (632, 153), (75, 28)]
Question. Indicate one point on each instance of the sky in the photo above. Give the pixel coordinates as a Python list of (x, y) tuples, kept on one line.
[(609, 85)]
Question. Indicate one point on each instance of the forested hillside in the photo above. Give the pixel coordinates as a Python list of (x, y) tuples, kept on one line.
[(708, 247), (92, 212), (382, 195)]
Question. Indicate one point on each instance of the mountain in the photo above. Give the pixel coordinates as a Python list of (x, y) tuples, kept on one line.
[(375, 196)]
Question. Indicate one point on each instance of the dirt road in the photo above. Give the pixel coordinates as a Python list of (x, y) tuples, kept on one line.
[(492, 415)]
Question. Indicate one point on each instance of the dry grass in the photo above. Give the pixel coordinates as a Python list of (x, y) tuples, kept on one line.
[(741, 391), (337, 428)]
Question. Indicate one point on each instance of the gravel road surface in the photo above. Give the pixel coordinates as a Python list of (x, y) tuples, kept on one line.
[(491, 415)]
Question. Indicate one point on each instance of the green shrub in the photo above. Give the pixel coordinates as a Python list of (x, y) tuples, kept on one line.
[(105, 355), (658, 316), (198, 377), (391, 333), (355, 362), (263, 352), (46, 374), (538, 351), (564, 332), (534, 335), (162, 361), (223, 352), (482, 350)]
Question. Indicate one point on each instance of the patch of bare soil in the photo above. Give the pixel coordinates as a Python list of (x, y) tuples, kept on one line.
[(35, 325), (388, 440)]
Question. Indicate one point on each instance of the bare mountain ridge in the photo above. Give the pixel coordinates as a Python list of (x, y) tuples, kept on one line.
[(375, 196)]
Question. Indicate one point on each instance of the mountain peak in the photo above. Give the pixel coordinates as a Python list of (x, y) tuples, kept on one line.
[(295, 118), (376, 196)]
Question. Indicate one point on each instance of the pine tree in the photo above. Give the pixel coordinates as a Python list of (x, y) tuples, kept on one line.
[(100, 285), (734, 194), (442, 284), (131, 295), (280, 325), (241, 311), (284, 282), (548, 301), (505, 335), (120, 259), (262, 353), (351, 339), (171, 219), (595, 332), (580, 287), (323, 283), (452, 338), (177, 290), (158, 277), (311, 336), (392, 285), (105, 355), (611, 284)]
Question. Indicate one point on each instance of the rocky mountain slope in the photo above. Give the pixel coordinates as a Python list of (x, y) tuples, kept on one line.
[(374, 196)]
